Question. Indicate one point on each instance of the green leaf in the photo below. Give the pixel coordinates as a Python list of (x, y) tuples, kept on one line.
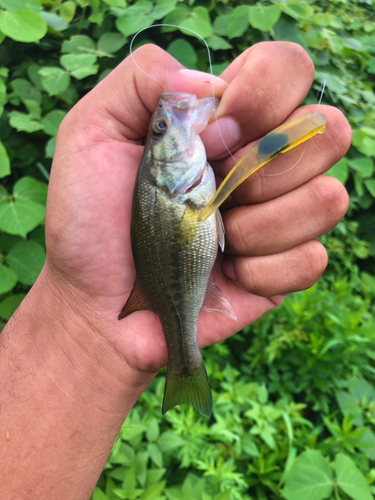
[(364, 166), (67, 11), (340, 170), (78, 44), (54, 21), (364, 144), (217, 43), (50, 148), (25, 91), (175, 17), (52, 120), (115, 3), (25, 210), (298, 11), (169, 441), (111, 42), (8, 279), (352, 43), (20, 217), (129, 483), (153, 430), (99, 495), (9, 305), (370, 185), (33, 5), (29, 189), (155, 454), (309, 478), (23, 122), (34, 109), (264, 17), (80, 65), (54, 80), (131, 23), (199, 21), (154, 492), (184, 52), (221, 24), (27, 260), (23, 25), (4, 161), (163, 8), (238, 22), (286, 30), (350, 479)]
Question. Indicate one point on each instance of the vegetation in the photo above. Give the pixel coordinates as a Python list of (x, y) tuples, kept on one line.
[(294, 393)]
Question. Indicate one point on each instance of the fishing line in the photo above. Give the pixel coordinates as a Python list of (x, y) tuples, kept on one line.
[(322, 89), (321, 92), (209, 62)]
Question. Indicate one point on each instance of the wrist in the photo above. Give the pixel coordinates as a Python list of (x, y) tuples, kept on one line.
[(68, 333)]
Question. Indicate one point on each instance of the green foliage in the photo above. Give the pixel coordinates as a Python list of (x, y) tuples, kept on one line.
[(295, 418)]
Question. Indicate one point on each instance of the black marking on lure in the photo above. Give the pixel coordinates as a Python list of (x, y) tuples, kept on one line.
[(272, 144)]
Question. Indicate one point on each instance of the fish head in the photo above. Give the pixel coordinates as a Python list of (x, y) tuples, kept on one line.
[(177, 152), (176, 124)]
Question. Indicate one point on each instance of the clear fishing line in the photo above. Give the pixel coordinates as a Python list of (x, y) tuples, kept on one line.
[(209, 62)]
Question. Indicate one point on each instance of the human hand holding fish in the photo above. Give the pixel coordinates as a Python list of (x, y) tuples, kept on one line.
[(272, 222), (85, 367)]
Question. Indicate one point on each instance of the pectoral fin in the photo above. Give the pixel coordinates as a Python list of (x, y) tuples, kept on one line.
[(135, 302), (220, 230), (215, 301), (282, 139)]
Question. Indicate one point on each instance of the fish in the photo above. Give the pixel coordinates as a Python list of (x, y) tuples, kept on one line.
[(177, 228)]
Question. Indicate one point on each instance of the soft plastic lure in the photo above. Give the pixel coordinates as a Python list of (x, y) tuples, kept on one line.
[(282, 139)]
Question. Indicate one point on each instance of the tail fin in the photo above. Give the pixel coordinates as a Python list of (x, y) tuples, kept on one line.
[(193, 389)]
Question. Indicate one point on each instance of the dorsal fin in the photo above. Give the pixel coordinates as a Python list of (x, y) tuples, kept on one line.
[(282, 139), (135, 302)]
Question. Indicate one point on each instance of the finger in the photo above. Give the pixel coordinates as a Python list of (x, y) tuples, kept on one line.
[(121, 104), (294, 168), (267, 82), (303, 214), (285, 272)]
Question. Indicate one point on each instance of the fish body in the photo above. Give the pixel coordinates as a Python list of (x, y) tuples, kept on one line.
[(174, 261), (176, 227)]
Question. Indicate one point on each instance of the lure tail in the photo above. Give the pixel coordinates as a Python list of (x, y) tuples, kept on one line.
[(193, 389)]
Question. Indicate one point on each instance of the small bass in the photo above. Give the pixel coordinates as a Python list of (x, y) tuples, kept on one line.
[(177, 227), (173, 268)]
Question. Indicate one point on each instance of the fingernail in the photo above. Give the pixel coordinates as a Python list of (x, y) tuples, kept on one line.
[(228, 269), (192, 74), (221, 135)]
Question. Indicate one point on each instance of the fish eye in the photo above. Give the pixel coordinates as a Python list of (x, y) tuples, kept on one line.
[(159, 128)]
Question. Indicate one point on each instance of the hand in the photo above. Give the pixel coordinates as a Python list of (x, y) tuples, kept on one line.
[(270, 228)]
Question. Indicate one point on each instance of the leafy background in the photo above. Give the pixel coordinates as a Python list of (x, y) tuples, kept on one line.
[(294, 393)]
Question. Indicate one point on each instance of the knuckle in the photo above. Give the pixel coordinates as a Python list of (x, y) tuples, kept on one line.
[(315, 260), (333, 199), (341, 135), (244, 274)]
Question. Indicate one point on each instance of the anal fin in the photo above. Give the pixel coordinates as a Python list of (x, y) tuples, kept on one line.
[(216, 301), (135, 302)]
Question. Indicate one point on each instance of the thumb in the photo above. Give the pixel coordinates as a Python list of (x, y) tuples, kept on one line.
[(124, 100)]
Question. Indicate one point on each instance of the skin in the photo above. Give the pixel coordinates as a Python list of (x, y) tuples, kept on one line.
[(69, 370)]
